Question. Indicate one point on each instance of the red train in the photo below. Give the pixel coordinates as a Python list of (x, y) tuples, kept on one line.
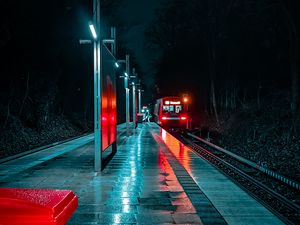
[(171, 112)]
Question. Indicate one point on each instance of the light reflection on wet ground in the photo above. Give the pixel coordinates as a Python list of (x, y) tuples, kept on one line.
[(138, 186)]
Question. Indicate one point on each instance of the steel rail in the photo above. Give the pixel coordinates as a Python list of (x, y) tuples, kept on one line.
[(279, 177), (202, 152)]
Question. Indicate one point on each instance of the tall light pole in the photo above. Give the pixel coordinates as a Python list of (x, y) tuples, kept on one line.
[(140, 99), (126, 86), (133, 104), (133, 97), (113, 37), (97, 79), (127, 94)]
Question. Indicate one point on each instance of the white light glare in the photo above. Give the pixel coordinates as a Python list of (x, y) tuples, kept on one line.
[(92, 28), (116, 64), (126, 74)]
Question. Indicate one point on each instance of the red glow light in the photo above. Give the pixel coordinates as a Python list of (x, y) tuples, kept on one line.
[(164, 118), (175, 103), (183, 117)]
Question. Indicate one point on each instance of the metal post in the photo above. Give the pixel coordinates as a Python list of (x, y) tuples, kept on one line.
[(133, 104), (113, 36), (126, 79), (97, 90), (140, 99), (133, 97)]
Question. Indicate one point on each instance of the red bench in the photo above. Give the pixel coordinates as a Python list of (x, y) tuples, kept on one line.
[(36, 206)]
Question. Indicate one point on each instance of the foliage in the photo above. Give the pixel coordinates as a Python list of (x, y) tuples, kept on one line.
[(267, 135), (243, 47)]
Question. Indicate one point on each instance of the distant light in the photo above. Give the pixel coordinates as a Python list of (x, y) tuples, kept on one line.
[(167, 102), (132, 83), (185, 99), (117, 65), (126, 74), (183, 118), (164, 118), (92, 28)]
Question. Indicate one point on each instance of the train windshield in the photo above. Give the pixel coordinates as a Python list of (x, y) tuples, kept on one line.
[(172, 108)]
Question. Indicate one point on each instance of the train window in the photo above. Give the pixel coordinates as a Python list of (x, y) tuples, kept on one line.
[(165, 108), (178, 108), (168, 108)]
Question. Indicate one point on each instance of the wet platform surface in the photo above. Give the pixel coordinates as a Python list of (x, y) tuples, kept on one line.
[(153, 179)]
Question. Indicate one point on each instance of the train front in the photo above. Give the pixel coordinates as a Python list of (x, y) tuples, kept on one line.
[(173, 113)]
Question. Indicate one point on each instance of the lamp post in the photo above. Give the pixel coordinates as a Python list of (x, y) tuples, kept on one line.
[(186, 100), (140, 99), (140, 90), (111, 41), (127, 94), (133, 104), (133, 84), (94, 27), (126, 86)]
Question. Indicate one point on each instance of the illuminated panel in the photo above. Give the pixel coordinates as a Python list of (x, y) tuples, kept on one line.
[(170, 118), (175, 103), (108, 100)]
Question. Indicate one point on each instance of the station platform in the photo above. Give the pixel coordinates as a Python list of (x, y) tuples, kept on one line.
[(152, 179)]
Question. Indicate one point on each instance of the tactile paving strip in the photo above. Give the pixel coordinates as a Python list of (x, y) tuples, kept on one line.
[(205, 209)]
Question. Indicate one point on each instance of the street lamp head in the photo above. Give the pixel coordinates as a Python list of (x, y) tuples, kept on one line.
[(126, 75), (93, 30)]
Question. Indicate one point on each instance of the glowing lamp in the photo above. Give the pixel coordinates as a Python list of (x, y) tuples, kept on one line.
[(183, 117), (164, 118), (93, 31), (117, 65)]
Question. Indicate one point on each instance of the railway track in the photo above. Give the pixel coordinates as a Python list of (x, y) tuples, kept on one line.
[(278, 193)]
